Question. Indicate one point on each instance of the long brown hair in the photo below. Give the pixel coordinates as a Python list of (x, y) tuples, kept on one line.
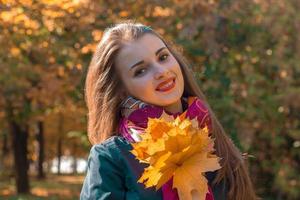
[(103, 95)]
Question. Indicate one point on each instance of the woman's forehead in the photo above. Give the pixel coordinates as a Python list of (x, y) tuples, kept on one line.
[(139, 49)]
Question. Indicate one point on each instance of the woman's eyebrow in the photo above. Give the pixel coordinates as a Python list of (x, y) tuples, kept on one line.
[(141, 62)]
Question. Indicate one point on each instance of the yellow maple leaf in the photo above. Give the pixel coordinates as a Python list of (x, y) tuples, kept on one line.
[(189, 176), (176, 148), (156, 128)]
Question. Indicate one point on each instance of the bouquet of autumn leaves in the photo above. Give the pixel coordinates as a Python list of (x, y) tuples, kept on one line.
[(176, 148)]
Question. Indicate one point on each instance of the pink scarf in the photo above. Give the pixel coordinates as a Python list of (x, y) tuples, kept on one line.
[(134, 120)]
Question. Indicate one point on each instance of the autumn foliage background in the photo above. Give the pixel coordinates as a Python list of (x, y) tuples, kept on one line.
[(245, 55)]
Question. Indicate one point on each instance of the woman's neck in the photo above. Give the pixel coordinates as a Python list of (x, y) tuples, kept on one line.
[(174, 108)]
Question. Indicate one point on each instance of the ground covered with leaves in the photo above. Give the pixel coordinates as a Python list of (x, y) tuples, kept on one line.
[(54, 187)]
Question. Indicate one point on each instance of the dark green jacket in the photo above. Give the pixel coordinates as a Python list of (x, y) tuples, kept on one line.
[(113, 173)]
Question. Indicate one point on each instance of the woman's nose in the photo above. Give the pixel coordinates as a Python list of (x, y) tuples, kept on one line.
[(160, 72)]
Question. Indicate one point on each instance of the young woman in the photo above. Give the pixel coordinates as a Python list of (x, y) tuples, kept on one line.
[(135, 74)]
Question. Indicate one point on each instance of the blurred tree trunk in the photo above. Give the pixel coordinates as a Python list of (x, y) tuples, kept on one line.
[(74, 165), (40, 149), (19, 134), (59, 154), (59, 142)]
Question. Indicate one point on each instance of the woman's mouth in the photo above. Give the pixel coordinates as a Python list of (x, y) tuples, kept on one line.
[(166, 85)]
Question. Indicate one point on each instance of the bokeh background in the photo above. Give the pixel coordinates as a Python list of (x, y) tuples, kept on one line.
[(245, 55)]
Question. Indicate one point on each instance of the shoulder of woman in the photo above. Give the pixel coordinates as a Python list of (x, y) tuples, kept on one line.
[(105, 173), (111, 145), (110, 148)]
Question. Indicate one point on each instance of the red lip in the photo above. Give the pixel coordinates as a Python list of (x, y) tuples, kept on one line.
[(162, 86)]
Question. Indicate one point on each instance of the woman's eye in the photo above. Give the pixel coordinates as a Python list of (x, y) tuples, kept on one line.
[(139, 72), (163, 57)]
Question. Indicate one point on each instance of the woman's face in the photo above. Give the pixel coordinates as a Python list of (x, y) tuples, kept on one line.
[(150, 72)]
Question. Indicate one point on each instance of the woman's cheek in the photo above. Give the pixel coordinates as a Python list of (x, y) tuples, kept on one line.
[(141, 87), (146, 88)]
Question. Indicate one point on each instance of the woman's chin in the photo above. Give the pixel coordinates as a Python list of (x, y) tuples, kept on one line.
[(167, 99)]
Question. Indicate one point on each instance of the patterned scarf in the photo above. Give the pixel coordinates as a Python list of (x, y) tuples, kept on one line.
[(135, 114)]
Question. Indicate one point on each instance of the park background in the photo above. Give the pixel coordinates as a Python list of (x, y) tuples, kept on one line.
[(245, 55)]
